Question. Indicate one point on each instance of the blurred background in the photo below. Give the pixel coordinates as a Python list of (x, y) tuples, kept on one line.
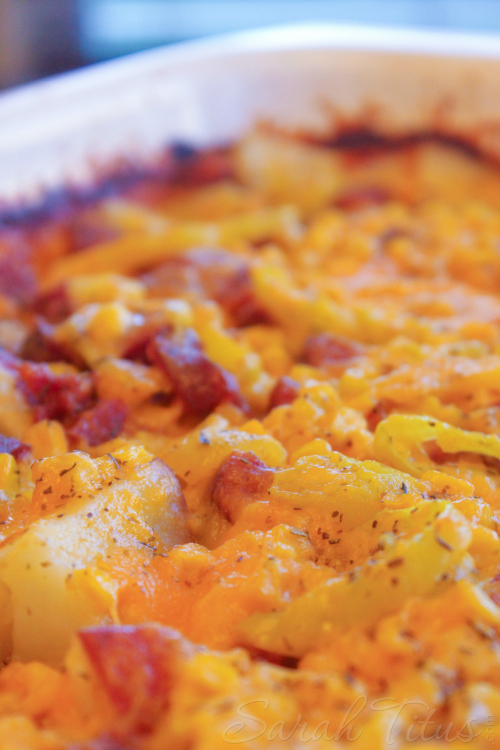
[(42, 37)]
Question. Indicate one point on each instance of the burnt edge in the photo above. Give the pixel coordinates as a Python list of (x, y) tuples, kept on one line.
[(180, 162), (366, 140), (66, 200)]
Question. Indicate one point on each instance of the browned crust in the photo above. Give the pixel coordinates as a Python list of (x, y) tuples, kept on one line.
[(181, 164)]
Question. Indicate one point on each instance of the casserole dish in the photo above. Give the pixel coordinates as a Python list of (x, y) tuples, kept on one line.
[(212, 91), (249, 402)]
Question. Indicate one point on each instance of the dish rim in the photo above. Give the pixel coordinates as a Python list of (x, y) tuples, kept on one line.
[(49, 101)]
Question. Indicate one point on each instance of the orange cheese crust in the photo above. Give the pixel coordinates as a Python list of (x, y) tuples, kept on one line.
[(250, 455)]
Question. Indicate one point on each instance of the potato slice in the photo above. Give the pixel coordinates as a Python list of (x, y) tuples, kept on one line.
[(353, 491), (399, 442), (91, 511), (420, 566)]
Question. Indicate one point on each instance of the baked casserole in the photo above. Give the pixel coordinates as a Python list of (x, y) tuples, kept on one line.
[(250, 451)]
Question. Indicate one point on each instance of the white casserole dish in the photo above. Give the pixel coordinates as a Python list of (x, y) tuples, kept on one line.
[(60, 131)]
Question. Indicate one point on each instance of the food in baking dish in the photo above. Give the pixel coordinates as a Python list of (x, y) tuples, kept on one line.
[(250, 452)]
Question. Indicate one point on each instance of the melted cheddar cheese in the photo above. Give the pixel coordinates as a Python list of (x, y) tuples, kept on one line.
[(250, 456)]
